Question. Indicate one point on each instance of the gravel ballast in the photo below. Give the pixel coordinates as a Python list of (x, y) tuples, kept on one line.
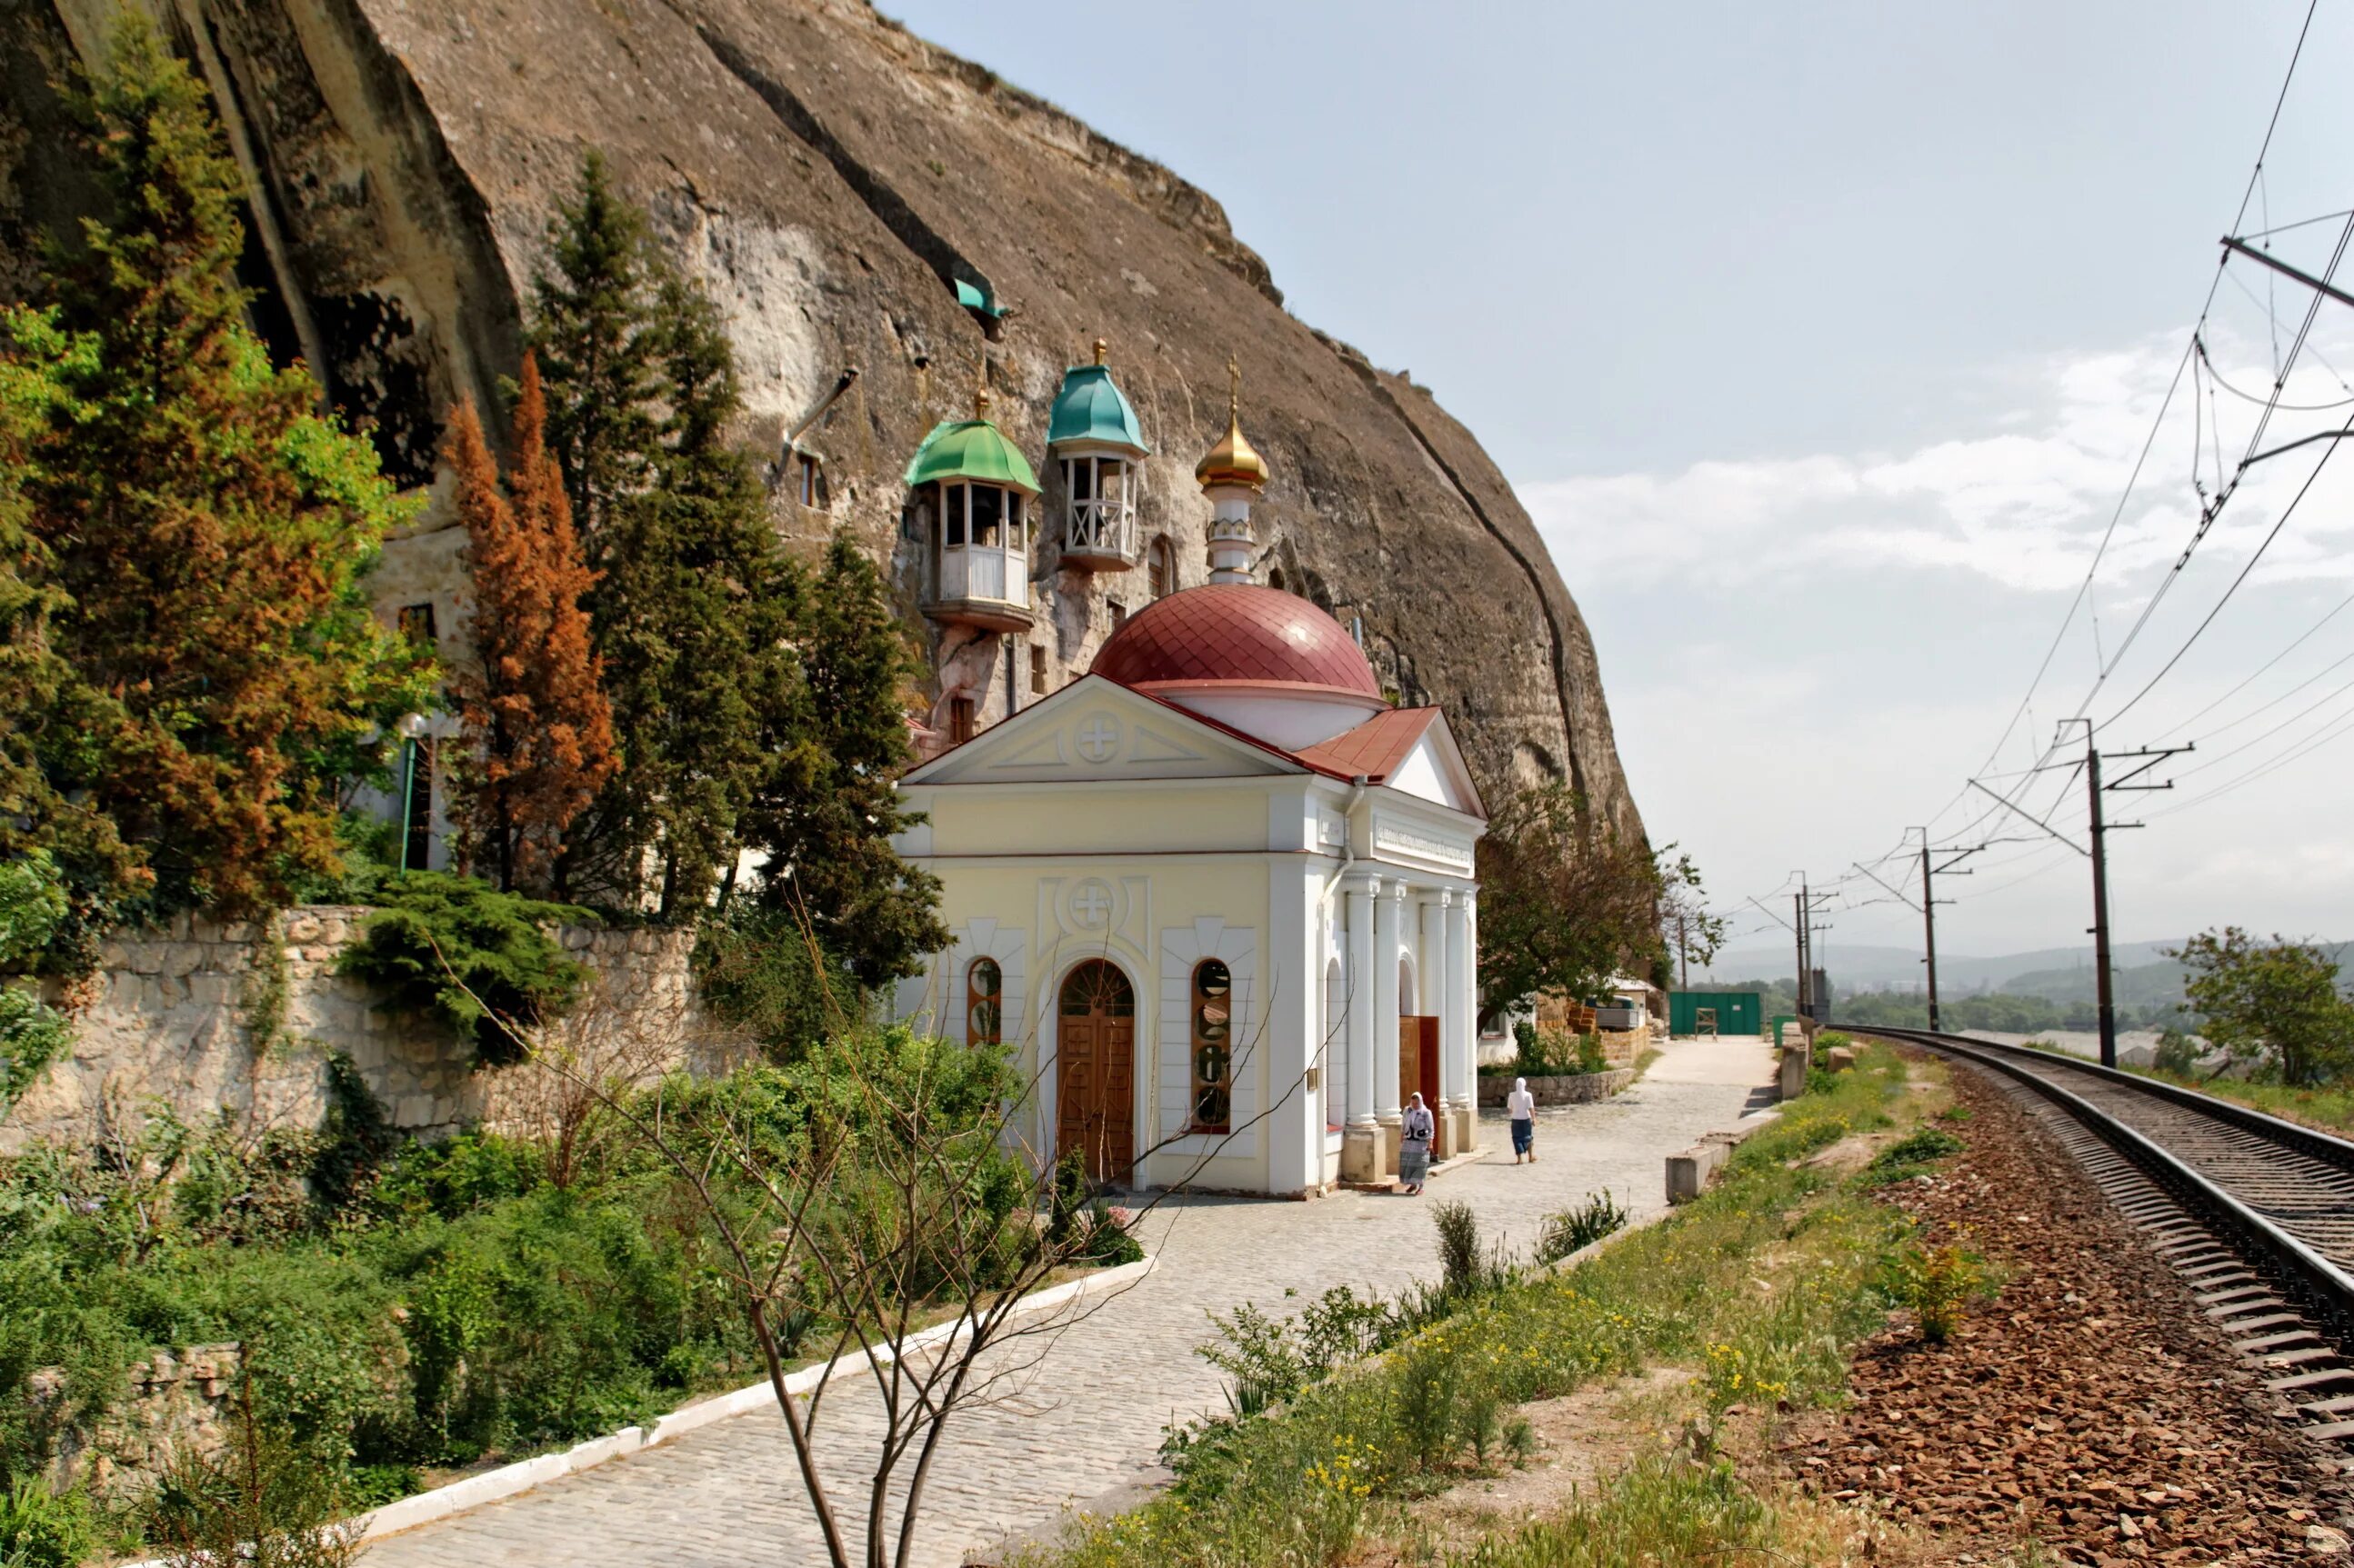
[(2089, 1406)]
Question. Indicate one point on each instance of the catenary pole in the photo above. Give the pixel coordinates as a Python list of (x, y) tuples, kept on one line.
[(1805, 1010), (2101, 907), (1929, 928)]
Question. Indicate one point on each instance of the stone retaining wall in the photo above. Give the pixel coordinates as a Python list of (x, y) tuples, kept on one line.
[(1568, 1089), (173, 1016)]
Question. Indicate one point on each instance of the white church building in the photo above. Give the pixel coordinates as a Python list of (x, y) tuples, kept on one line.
[(1218, 892)]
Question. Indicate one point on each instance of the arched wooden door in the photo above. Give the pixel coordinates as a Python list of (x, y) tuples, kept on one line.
[(1096, 1053)]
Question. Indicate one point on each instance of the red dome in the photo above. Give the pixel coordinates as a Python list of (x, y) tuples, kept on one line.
[(1235, 633)]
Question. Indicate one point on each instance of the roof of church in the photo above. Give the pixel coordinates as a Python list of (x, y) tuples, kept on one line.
[(1235, 632), (1374, 748)]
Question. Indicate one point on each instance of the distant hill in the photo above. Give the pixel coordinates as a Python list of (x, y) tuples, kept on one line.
[(1859, 966)]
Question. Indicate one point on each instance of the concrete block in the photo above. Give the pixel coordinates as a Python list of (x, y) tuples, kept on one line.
[(1838, 1059), (1793, 1081), (1689, 1174)]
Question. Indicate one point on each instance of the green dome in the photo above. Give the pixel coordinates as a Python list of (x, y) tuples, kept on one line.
[(970, 449), (1090, 407)]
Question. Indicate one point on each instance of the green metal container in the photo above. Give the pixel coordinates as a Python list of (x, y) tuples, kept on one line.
[(1737, 1011)]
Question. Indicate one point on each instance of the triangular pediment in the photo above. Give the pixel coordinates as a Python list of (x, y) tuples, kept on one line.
[(1435, 770), (1096, 729)]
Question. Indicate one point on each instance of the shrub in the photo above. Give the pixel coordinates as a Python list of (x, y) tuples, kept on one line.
[(33, 905), (1465, 1270), (1911, 1152), (1936, 1283), (1569, 1230), (41, 1529), (269, 1501), (1590, 1057), (1107, 1241), (479, 959), (763, 971), (472, 1170), (2177, 1053)]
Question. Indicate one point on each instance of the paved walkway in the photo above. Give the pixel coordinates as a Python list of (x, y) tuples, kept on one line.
[(1087, 1426)]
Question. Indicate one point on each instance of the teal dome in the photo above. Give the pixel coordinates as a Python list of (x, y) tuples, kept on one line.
[(1090, 407), (970, 449)]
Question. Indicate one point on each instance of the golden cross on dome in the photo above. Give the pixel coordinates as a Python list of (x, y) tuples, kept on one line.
[(1234, 389), (980, 387)]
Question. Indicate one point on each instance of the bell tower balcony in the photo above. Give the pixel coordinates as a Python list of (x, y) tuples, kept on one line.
[(981, 557), (1098, 510), (1092, 434)]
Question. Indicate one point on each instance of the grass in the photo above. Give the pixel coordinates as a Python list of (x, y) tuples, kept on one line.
[(1762, 1284), (2329, 1109)]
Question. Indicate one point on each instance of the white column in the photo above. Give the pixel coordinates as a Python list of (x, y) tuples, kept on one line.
[(1287, 1002), (1457, 1027), (1386, 1099), (1430, 961), (1360, 896)]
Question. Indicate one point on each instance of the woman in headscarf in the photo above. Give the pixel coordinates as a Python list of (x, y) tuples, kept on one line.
[(1521, 1106), (1415, 1134)]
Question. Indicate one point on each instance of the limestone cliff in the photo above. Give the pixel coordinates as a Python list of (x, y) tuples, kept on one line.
[(833, 178)]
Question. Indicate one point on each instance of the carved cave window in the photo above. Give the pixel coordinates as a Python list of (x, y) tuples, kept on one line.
[(1213, 1043)]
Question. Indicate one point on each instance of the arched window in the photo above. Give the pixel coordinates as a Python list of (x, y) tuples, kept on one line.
[(1161, 566), (984, 1003), (1212, 1029)]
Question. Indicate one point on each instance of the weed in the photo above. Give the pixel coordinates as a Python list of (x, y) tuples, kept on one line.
[(1911, 1155), (1936, 1283), (1571, 1230)]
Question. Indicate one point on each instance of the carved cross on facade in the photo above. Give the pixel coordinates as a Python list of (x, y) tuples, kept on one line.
[(1092, 903), (1097, 739)]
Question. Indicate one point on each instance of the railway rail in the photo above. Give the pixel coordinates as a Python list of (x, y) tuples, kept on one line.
[(2257, 1213)]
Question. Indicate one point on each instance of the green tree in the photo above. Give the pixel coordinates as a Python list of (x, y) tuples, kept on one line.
[(692, 612), (1566, 903), (206, 529), (2273, 1003), (825, 816), (42, 698), (589, 329)]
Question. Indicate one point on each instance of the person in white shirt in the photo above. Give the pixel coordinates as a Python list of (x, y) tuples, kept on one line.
[(1521, 1106), (1414, 1148)]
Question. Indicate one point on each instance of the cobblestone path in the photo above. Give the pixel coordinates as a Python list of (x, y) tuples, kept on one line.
[(1087, 1422)]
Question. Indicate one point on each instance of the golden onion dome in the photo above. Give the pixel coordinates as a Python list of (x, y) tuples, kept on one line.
[(1231, 460)]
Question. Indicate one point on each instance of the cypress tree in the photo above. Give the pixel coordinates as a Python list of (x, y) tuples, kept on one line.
[(826, 818), (537, 726), (693, 605), (206, 529), (589, 311)]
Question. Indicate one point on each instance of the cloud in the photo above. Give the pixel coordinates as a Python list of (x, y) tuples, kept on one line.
[(2021, 504)]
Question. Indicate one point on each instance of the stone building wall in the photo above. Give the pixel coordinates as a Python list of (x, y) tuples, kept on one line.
[(172, 1017)]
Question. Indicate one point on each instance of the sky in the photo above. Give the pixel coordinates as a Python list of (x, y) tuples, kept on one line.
[(1821, 341)]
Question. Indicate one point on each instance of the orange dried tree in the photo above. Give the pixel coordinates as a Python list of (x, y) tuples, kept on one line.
[(536, 727)]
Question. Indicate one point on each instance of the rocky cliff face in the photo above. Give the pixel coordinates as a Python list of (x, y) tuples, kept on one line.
[(833, 178)]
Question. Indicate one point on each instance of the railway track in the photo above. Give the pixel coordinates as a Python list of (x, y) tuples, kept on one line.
[(2255, 1214)]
